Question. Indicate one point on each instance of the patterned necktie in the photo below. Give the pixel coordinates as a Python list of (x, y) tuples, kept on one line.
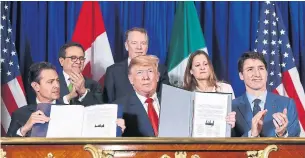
[(256, 107), (152, 115), (70, 87)]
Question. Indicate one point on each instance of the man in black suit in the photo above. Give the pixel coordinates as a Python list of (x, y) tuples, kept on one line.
[(74, 87), (45, 82), (116, 80), (141, 105)]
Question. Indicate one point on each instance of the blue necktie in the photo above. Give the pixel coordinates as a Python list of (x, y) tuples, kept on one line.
[(256, 107)]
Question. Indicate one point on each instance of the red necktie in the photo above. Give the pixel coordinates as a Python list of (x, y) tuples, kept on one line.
[(152, 115)]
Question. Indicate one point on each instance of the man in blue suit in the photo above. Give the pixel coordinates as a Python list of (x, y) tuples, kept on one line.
[(116, 79), (142, 106), (260, 113)]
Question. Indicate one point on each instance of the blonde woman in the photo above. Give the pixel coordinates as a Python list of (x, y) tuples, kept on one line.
[(200, 76)]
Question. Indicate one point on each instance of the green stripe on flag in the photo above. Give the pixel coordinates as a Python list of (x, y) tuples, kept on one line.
[(187, 37)]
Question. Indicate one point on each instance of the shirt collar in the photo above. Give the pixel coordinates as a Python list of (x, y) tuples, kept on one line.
[(262, 97), (128, 61), (38, 102), (143, 99)]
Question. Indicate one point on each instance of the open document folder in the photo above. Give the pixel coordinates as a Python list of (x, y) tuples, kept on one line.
[(79, 121), (194, 114)]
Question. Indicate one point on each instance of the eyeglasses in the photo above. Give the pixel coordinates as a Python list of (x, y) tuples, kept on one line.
[(75, 58)]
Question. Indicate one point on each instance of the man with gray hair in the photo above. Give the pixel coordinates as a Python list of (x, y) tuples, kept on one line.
[(116, 79)]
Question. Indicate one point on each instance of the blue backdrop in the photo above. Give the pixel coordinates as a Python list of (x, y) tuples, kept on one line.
[(229, 29)]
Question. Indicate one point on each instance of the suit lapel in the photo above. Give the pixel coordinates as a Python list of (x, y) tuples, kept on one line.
[(125, 64), (246, 111), (144, 124), (63, 85), (268, 127)]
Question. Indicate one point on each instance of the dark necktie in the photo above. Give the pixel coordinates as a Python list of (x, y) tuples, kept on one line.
[(152, 115), (256, 107)]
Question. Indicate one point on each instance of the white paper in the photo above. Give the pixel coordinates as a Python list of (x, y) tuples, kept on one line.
[(100, 121), (66, 121), (210, 111)]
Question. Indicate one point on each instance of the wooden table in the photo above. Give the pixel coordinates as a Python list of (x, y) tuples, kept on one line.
[(152, 147)]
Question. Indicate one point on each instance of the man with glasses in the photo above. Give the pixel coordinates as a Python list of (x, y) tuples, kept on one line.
[(74, 87)]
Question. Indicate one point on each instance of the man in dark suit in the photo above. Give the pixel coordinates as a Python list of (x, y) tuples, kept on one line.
[(45, 82), (260, 113), (141, 105), (116, 80), (74, 87)]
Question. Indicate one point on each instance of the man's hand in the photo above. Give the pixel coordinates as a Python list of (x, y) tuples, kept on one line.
[(36, 117), (121, 123), (72, 94), (78, 81), (280, 122), (231, 119), (257, 123)]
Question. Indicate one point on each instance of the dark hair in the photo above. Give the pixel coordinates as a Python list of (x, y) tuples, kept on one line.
[(138, 29), (250, 55), (62, 50), (190, 82), (35, 71)]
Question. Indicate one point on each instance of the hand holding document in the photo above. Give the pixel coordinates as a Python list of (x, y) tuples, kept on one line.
[(199, 114), (80, 121), (210, 111)]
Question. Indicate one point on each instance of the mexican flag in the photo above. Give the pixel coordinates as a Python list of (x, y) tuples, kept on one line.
[(187, 37)]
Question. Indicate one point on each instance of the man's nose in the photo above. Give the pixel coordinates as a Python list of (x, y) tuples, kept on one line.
[(257, 73), (56, 84), (139, 46), (145, 75)]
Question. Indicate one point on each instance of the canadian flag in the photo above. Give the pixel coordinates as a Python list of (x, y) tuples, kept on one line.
[(90, 32)]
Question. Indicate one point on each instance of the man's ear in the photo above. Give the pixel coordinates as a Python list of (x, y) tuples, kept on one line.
[(241, 76), (130, 79), (61, 61), (126, 46), (35, 86), (158, 76)]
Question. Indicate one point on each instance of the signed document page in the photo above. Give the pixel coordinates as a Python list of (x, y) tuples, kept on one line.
[(65, 121), (100, 121), (210, 111)]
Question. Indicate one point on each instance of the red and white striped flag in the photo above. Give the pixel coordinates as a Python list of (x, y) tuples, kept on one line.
[(12, 90), (272, 40), (90, 32)]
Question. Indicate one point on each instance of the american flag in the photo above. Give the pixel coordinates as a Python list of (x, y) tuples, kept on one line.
[(12, 91), (283, 77)]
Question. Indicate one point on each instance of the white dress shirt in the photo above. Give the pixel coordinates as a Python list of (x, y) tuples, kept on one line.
[(156, 104), (67, 77)]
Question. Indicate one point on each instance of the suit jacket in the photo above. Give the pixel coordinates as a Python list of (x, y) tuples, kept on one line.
[(135, 116), (19, 118), (117, 83), (93, 96), (274, 103)]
